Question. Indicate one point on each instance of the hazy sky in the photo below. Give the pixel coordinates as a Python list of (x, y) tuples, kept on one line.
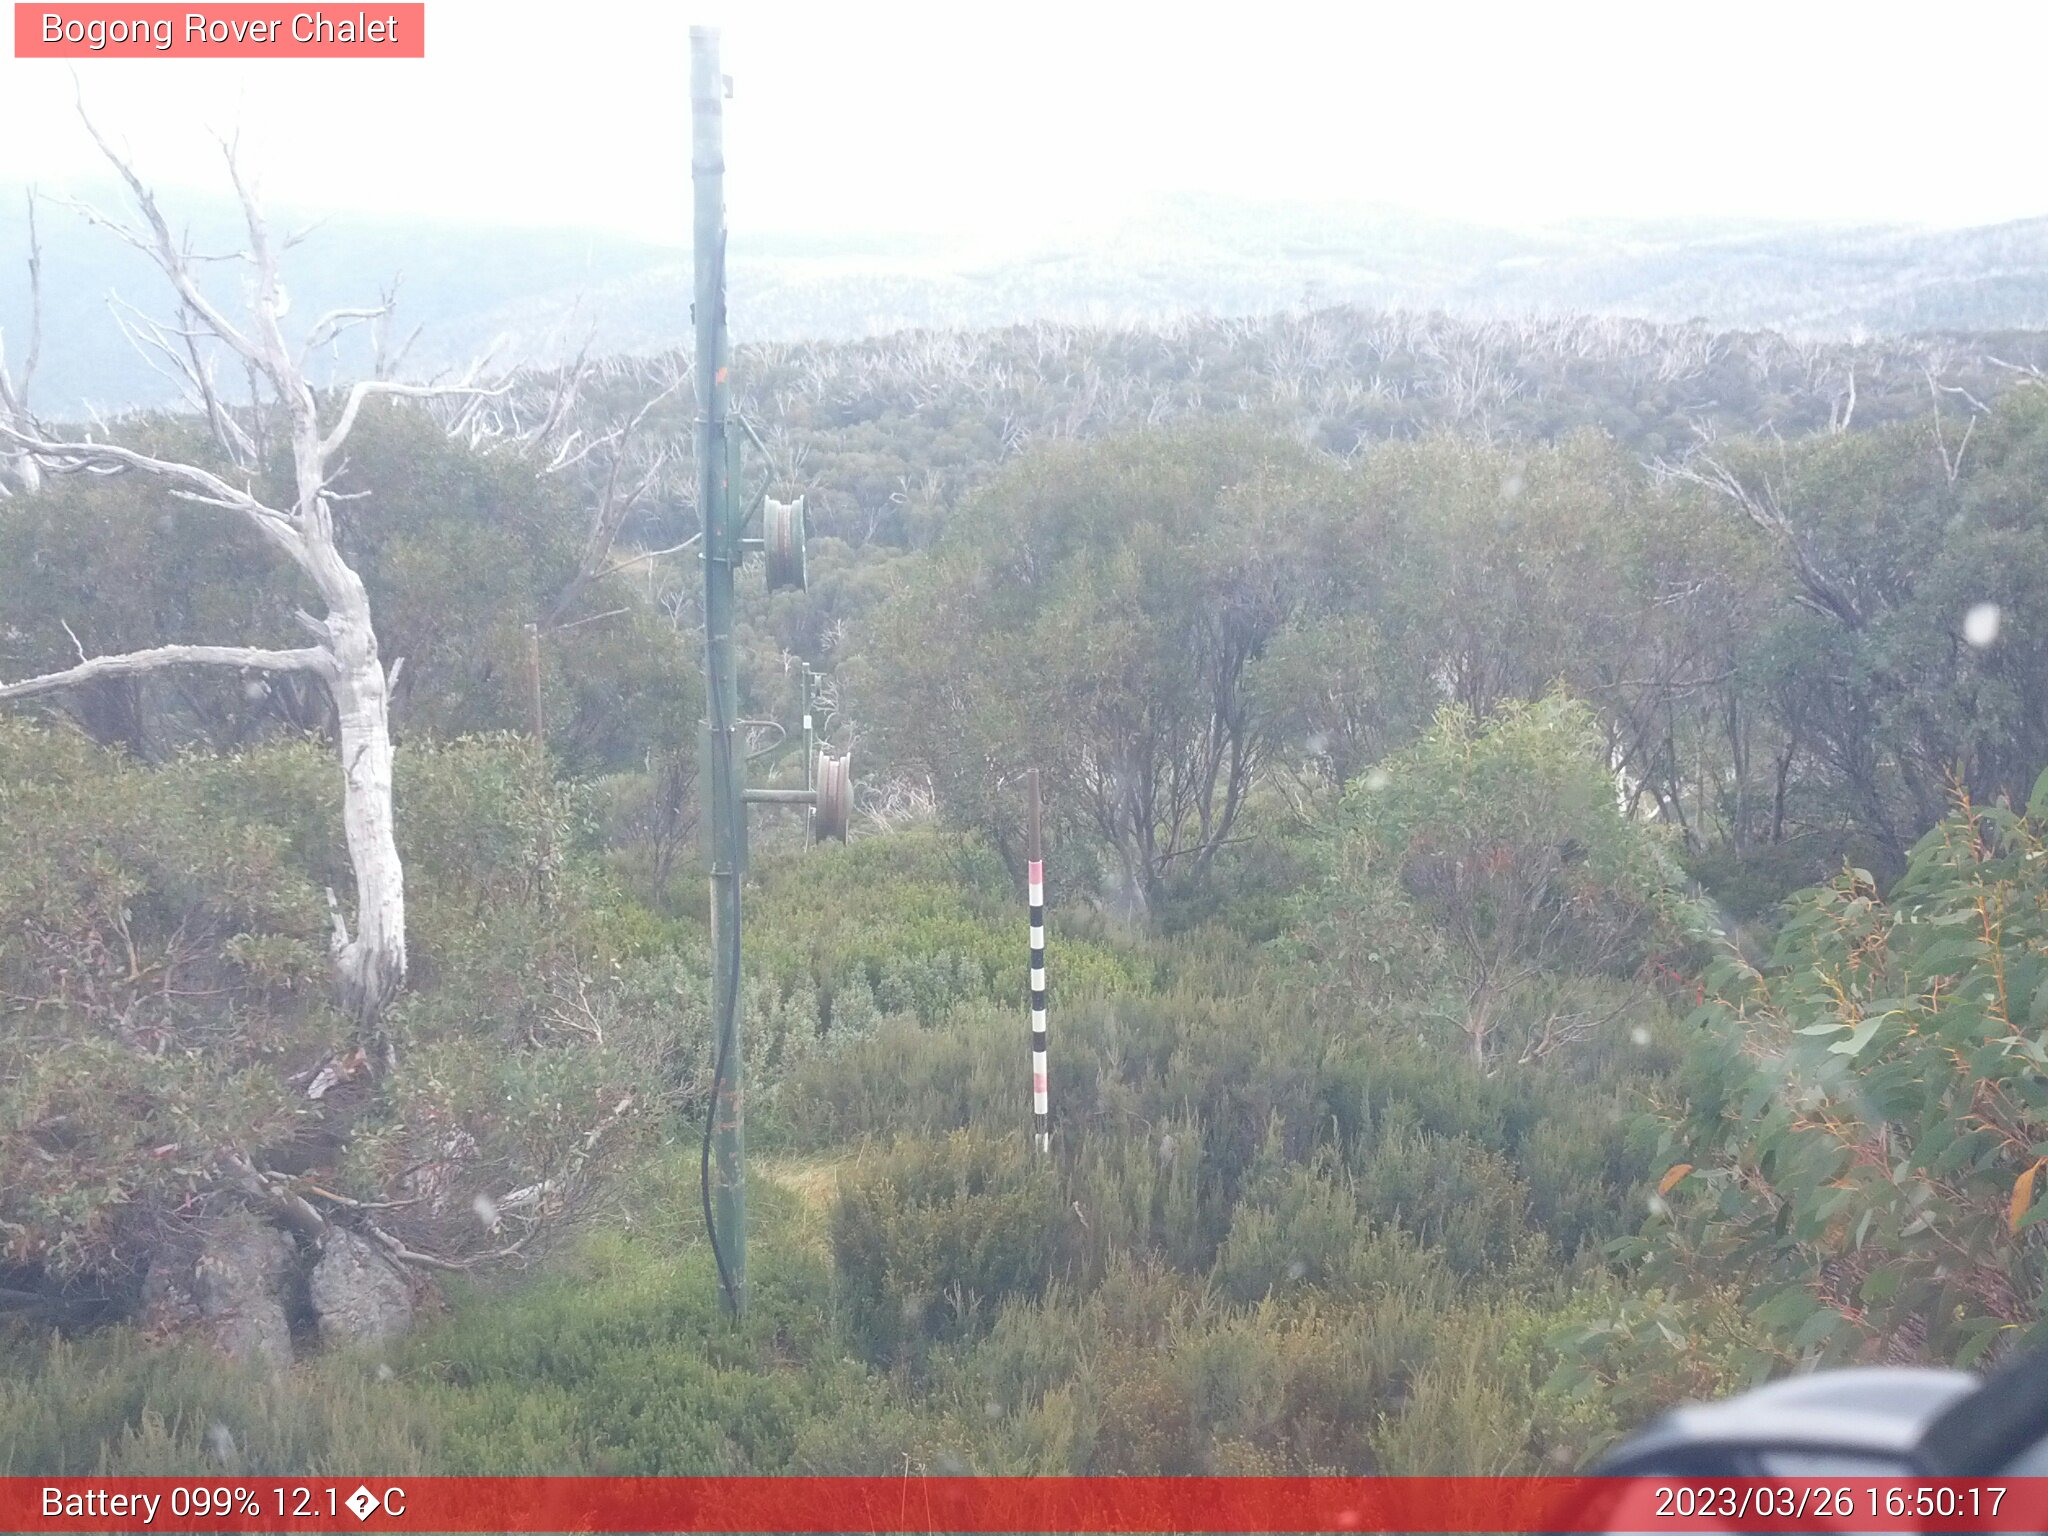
[(990, 119)]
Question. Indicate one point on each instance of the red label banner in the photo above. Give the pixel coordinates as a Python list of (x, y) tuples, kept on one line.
[(226, 31), (1003, 1504)]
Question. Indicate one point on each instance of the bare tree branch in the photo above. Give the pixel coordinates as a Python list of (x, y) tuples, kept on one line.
[(363, 389), (614, 505), (610, 517), (278, 528), (335, 324), (266, 1188), (1951, 463), (130, 663), (163, 249), (2027, 370), (650, 554)]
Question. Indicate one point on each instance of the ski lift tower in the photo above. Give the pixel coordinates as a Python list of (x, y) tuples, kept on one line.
[(722, 549)]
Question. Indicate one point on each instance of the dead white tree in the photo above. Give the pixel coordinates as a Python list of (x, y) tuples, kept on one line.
[(370, 962), (1951, 459), (14, 386), (630, 473), (1757, 495)]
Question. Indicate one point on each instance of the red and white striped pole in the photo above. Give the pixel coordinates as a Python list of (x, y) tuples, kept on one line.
[(1035, 893)]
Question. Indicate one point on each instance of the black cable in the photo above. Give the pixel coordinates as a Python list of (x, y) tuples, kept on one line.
[(727, 1022), (725, 1030)]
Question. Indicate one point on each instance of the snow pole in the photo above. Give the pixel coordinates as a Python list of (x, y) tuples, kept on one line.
[(1035, 894)]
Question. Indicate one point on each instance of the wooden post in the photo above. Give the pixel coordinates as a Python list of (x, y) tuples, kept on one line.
[(536, 725)]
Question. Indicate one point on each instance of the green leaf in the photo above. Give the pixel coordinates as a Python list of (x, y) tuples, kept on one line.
[(1952, 1156), (1949, 956), (2037, 1009), (1961, 1019), (2032, 1050), (1831, 1203), (1982, 1334), (1761, 1092), (1569, 1379), (1787, 1307), (1816, 1328), (1939, 1136), (2037, 802), (1988, 1059), (1860, 1037)]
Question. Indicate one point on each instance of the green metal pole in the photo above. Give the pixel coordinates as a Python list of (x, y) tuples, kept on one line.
[(720, 553)]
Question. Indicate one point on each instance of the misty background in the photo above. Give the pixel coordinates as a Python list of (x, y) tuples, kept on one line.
[(898, 166)]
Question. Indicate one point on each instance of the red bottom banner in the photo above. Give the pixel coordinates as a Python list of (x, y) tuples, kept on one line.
[(1021, 1504)]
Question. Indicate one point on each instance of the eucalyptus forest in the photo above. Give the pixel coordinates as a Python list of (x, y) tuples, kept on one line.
[(1544, 836)]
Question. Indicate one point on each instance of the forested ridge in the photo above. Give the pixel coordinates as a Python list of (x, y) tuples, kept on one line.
[(1547, 915), (1150, 260)]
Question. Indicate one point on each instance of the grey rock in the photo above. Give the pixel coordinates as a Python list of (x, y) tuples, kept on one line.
[(239, 1283), (220, 1444), (358, 1296), (169, 1303)]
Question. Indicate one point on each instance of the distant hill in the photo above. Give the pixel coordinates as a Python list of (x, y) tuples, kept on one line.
[(549, 290)]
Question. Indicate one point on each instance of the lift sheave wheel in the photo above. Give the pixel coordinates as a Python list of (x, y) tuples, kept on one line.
[(835, 797), (782, 536)]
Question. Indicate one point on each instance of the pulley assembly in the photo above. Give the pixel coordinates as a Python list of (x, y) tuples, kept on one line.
[(830, 798), (834, 810), (782, 540)]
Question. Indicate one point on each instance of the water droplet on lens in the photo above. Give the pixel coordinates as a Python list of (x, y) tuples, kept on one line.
[(1980, 625)]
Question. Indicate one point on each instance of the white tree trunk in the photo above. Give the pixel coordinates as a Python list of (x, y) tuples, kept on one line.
[(370, 964), (14, 387)]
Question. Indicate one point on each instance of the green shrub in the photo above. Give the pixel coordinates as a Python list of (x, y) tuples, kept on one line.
[(1866, 1116), (1504, 838), (161, 968), (1303, 1230), (164, 929), (1454, 1195), (929, 1236)]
